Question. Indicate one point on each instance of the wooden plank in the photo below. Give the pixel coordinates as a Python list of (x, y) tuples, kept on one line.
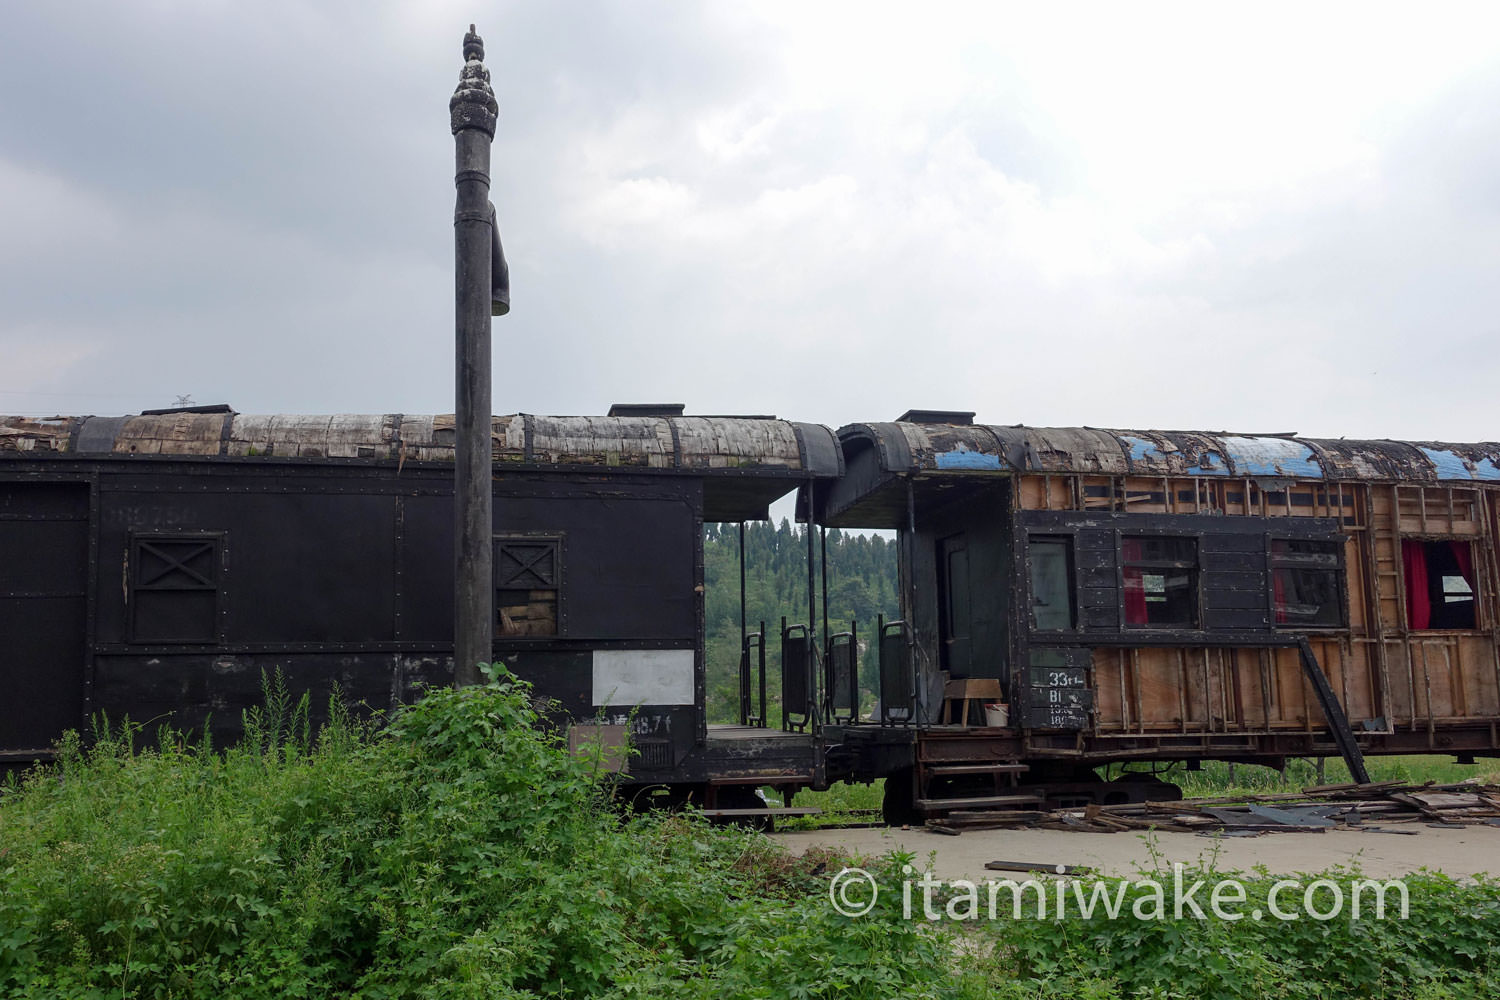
[(977, 801), (1038, 866)]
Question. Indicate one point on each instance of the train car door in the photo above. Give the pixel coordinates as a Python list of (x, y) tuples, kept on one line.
[(955, 616), (44, 556)]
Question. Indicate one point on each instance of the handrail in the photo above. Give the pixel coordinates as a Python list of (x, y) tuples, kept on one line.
[(755, 641)]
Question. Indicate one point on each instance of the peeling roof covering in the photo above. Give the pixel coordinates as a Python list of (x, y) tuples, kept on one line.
[(906, 448), (764, 446)]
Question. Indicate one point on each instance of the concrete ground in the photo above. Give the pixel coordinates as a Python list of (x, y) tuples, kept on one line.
[(1462, 852)]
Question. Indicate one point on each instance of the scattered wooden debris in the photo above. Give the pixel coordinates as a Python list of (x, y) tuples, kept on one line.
[(1313, 810), (1037, 866)]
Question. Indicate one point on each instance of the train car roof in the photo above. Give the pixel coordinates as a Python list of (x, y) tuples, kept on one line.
[(877, 453), (746, 462)]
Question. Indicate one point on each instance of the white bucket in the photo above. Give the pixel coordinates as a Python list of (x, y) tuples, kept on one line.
[(996, 716)]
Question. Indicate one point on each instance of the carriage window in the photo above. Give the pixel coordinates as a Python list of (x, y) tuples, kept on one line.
[(1051, 583), (1161, 581), (1305, 589), (1440, 584), (174, 588), (527, 586)]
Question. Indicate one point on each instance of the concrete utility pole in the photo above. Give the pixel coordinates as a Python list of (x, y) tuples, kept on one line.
[(472, 113)]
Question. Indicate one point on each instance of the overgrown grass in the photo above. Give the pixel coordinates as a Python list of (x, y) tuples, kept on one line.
[(1444, 948), (458, 852), (462, 852), (842, 804), (1245, 779)]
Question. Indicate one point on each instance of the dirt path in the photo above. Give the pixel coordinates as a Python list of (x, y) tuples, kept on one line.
[(1457, 852)]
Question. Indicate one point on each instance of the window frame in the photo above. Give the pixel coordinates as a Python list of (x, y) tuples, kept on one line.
[(1476, 588), (1194, 566), (557, 541), (1340, 570), (216, 541), (1069, 542)]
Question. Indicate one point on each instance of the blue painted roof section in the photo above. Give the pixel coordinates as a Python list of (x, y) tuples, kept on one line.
[(1140, 448), (962, 458), (1272, 456), (1451, 465), (1211, 463)]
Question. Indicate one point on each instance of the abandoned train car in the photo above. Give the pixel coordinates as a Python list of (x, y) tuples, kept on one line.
[(1160, 596), (1130, 596), (155, 566)]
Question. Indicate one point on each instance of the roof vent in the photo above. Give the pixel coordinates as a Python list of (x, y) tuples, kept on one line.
[(646, 409), (965, 417), (195, 408)]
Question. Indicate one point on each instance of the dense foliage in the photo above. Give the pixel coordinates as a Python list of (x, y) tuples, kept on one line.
[(461, 852), (458, 852), (862, 584)]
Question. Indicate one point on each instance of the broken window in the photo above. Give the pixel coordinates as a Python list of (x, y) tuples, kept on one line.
[(174, 588), (1440, 584), (1051, 582), (1160, 575), (527, 586), (1305, 583)]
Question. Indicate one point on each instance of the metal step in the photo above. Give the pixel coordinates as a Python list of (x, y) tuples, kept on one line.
[(947, 769), (980, 802)]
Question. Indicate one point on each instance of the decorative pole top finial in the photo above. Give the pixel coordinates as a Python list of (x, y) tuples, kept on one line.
[(473, 103)]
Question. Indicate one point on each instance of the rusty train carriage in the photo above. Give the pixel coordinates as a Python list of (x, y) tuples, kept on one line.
[(1150, 595), (1133, 595)]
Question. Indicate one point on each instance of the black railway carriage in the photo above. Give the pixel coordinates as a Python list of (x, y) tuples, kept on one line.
[(1129, 596), (155, 566), (1138, 596)]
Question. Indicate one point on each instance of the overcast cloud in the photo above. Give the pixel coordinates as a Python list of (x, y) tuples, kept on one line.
[(1270, 219)]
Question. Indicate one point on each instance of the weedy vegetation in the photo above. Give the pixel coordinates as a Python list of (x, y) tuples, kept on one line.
[(458, 850)]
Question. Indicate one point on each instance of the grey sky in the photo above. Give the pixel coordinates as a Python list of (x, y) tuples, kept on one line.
[(1260, 219)]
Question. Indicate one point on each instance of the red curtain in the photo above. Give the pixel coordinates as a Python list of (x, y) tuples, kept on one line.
[(1465, 560), (1135, 586), (1418, 600)]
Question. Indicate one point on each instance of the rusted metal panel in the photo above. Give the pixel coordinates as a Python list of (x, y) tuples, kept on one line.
[(36, 434)]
